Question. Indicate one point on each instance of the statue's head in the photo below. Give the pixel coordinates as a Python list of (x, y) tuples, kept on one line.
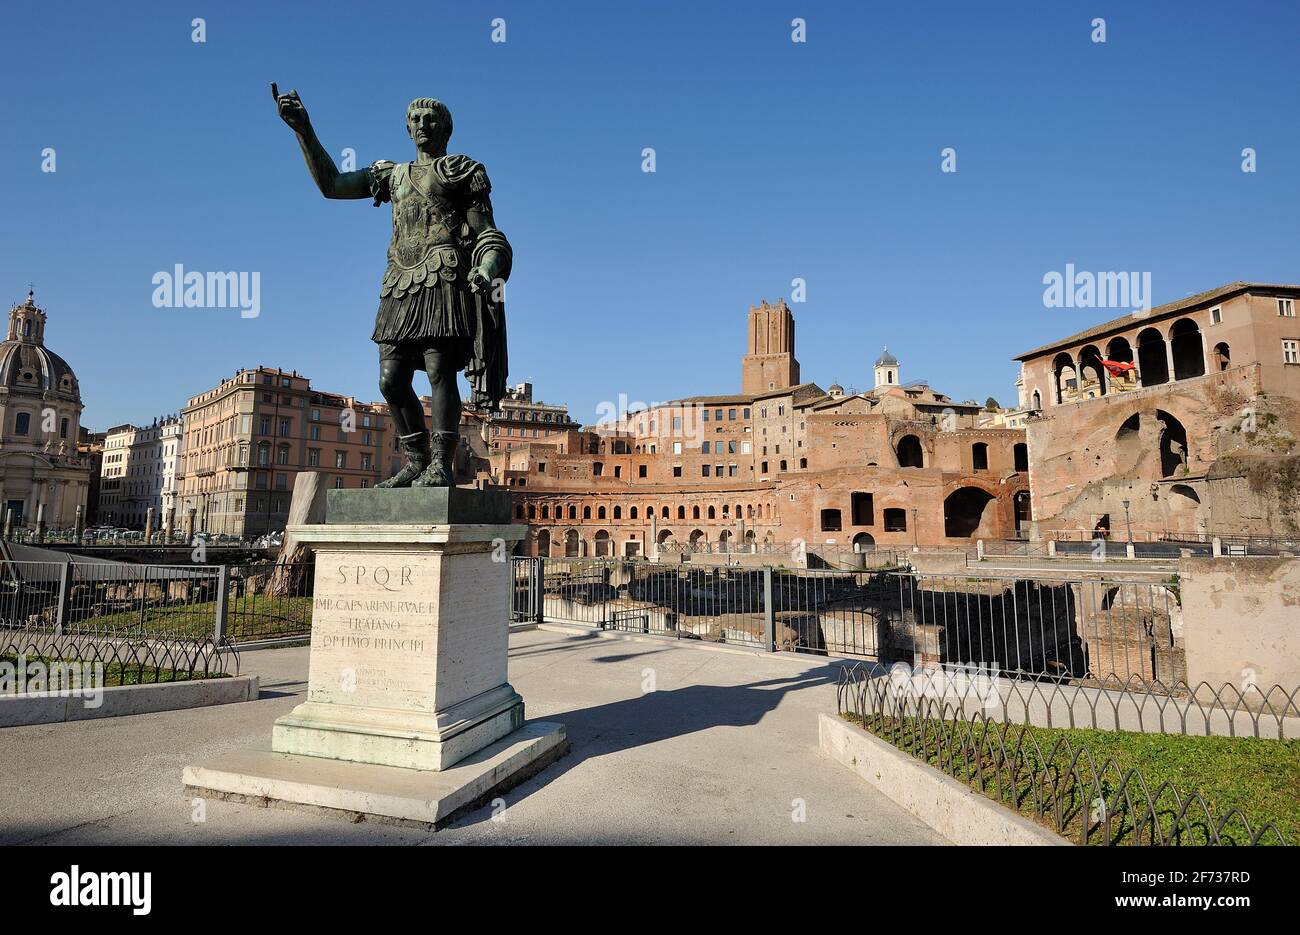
[(429, 124)]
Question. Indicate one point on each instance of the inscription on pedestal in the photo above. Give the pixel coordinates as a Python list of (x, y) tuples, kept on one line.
[(374, 620)]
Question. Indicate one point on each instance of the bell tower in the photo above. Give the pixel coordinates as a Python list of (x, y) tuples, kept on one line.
[(887, 367), (27, 322), (769, 362)]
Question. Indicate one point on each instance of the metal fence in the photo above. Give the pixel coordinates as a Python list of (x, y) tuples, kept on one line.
[(1033, 628), (1115, 547), (269, 602), (1014, 547), (125, 538), (1170, 542), (124, 661), (718, 604), (798, 553), (1134, 705), (1234, 544), (184, 602), (1045, 776), (1036, 628)]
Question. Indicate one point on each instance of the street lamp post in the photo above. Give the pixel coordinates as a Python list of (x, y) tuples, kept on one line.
[(1127, 523), (916, 544)]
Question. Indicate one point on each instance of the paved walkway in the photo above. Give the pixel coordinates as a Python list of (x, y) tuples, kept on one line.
[(722, 751)]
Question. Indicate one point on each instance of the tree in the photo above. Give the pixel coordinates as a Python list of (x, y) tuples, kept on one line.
[(991, 404)]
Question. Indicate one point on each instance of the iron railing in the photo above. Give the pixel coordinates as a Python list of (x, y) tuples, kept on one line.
[(1068, 629), (270, 602), (112, 599), (126, 539), (109, 599), (1041, 774), (1234, 544), (1170, 542), (718, 604), (121, 661), (1036, 628), (1131, 705), (997, 547), (797, 553)]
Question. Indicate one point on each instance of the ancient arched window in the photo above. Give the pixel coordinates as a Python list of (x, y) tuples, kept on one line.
[(1187, 350), (910, 453)]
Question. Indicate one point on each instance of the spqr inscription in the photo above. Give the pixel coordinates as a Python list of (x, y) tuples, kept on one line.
[(390, 579)]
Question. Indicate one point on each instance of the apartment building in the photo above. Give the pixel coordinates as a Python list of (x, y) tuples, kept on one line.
[(246, 440)]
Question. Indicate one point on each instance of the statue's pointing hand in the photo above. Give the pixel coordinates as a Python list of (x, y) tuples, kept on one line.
[(290, 108)]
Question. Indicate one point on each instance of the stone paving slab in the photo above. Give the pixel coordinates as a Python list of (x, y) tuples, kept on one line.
[(369, 792), (669, 744)]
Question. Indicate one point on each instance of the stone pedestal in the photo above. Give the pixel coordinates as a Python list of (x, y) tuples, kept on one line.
[(409, 642)]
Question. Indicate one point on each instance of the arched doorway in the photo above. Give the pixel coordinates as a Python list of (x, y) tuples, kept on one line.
[(1187, 348), (1022, 512), (697, 540), (1092, 372), (1120, 351), (1222, 356), (724, 541), (572, 544), (965, 510), (910, 452), (864, 542), (544, 542), (1153, 362), (602, 544), (1067, 378)]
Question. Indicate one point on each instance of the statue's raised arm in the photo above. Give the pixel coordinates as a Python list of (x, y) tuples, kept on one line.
[(331, 182)]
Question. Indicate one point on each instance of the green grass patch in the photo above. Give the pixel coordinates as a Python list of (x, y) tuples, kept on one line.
[(1260, 778), (250, 617)]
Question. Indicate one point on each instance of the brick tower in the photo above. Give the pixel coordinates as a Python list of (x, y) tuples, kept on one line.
[(769, 362)]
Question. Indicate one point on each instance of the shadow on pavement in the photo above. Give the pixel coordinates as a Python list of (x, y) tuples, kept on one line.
[(655, 716)]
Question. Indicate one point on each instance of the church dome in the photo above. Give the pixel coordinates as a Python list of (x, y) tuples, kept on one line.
[(25, 361), (886, 359)]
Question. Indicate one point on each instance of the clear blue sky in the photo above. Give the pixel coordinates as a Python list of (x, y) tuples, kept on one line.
[(775, 160)]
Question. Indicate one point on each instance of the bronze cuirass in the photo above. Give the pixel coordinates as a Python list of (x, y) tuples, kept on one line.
[(424, 245)]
